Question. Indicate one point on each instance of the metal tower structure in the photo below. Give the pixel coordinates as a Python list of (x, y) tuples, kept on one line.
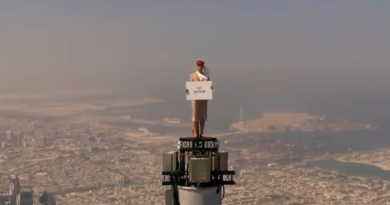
[(197, 172)]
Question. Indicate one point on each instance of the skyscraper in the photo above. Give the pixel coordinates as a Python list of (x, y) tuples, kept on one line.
[(4, 197), (25, 198), (14, 189), (2, 137), (8, 135), (43, 199), (19, 139), (47, 199)]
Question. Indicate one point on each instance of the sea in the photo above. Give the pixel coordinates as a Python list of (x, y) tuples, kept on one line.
[(363, 106), (350, 168)]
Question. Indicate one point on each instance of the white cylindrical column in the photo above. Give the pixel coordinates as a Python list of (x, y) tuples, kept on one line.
[(199, 196)]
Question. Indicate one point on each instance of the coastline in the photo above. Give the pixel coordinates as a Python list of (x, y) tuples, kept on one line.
[(297, 122), (384, 167)]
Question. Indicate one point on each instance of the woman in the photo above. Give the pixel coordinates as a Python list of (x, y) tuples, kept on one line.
[(199, 107)]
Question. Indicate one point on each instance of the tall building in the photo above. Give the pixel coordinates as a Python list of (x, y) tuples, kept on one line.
[(25, 198), (2, 138), (16, 195), (43, 199), (3, 198), (14, 189), (16, 184), (11, 194), (47, 199), (8, 135), (19, 139)]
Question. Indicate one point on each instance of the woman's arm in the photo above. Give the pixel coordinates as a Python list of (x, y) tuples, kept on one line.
[(187, 92)]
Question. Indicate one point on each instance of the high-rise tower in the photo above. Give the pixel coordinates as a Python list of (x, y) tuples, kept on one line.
[(197, 172), (25, 198), (47, 199), (14, 189), (4, 197)]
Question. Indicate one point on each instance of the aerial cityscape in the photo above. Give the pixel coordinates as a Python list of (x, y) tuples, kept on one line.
[(194, 102), (80, 157)]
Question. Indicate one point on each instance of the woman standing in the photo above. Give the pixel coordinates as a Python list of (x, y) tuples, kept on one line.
[(199, 107)]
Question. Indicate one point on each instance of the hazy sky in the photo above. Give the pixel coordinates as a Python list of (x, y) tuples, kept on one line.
[(50, 41), (331, 56)]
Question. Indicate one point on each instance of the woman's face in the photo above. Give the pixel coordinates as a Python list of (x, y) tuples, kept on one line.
[(199, 68)]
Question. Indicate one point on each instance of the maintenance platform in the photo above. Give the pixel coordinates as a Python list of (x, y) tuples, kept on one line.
[(197, 172)]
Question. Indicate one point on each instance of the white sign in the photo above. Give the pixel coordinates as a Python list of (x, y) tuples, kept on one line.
[(200, 90)]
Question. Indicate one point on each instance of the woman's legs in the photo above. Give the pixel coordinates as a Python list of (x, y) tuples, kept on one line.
[(198, 128), (195, 128), (202, 124)]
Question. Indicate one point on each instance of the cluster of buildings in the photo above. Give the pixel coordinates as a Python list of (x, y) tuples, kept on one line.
[(20, 139), (299, 184), (82, 163), (9, 138), (17, 195), (379, 158), (149, 193)]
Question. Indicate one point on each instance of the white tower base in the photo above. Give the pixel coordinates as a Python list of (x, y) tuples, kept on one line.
[(199, 196)]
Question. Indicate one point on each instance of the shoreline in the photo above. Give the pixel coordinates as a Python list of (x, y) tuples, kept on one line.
[(277, 122), (382, 166), (339, 157)]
